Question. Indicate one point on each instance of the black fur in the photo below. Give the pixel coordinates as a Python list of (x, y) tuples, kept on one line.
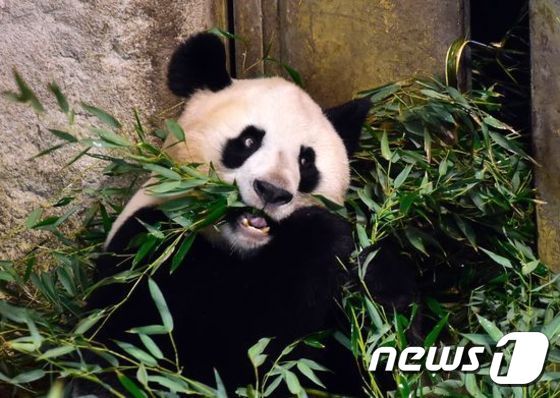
[(348, 119), (235, 152), (309, 174), (222, 304), (198, 63)]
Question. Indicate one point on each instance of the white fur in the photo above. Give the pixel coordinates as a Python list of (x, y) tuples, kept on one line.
[(290, 119)]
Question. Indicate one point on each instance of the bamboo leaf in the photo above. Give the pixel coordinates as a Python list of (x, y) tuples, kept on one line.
[(182, 252), (174, 128), (63, 135), (103, 116), (490, 328), (130, 386), (25, 95), (60, 98), (161, 305), (497, 258)]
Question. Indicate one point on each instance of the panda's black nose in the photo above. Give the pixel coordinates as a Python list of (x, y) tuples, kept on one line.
[(271, 194)]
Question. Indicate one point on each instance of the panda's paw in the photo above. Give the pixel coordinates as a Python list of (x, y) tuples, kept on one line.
[(318, 229)]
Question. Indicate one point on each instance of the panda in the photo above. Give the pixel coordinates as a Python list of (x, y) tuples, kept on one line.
[(274, 272)]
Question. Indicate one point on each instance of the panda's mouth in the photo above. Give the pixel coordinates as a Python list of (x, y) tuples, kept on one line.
[(253, 224)]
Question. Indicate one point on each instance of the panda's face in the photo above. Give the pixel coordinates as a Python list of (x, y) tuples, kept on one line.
[(270, 138), (266, 135)]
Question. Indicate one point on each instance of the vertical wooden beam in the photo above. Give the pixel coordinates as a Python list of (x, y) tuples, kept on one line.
[(340, 47), (545, 60), (219, 18), (248, 17)]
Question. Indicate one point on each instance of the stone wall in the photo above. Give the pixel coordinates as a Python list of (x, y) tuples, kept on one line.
[(109, 53)]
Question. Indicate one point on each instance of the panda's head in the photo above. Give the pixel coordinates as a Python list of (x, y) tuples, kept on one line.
[(267, 135)]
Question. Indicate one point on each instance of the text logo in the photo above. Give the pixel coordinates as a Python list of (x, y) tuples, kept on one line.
[(525, 365)]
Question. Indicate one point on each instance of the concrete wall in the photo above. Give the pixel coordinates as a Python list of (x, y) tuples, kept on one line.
[(106, 52), (545, 58)]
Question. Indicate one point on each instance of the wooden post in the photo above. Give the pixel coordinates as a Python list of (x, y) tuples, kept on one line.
[(545, 67), (341, 47)]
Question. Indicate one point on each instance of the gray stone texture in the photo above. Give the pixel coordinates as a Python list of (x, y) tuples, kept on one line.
[(545, 58), (109, 53)]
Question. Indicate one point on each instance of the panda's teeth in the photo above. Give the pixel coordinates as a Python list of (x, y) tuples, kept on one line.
[(245, 222), (265, 230)]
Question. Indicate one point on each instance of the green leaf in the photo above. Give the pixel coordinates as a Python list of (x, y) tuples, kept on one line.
[(466, 230), (362, 235), (224, 34), (142, 375), (530, 267), (112, 138), (151, 346), (138, 126), (60, 98), (292, 382), (415, 238), (308, 372), (472, 386), (403, 175), (374, 313), (435, 332), (552, 329), (163, 171), (492, 121), (103, 116), (87, 323), (383, 92), (47, 151), (161, 305), (130, 386), (152, 230), (312, 341), (145, 249), (182, 252), (56, 390), (385, 150), (220, 388), (174, 128), (294, 74), (256, 352), (433, 94), (150, 329), (29, 377), (63, 135), (56, 352), (508, 145), (137, 353), (173, 384), (25, 95), (33, 218), (272, 386), (490, 328), (497, 258)]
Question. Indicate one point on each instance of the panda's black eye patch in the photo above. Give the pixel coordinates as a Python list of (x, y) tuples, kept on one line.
[(237, 150), (309, 175)]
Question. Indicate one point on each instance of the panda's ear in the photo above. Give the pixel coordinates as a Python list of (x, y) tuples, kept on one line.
[(348, 120), (198, 63)]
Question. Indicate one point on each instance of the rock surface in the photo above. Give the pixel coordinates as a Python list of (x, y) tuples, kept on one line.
[(108, 53)]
